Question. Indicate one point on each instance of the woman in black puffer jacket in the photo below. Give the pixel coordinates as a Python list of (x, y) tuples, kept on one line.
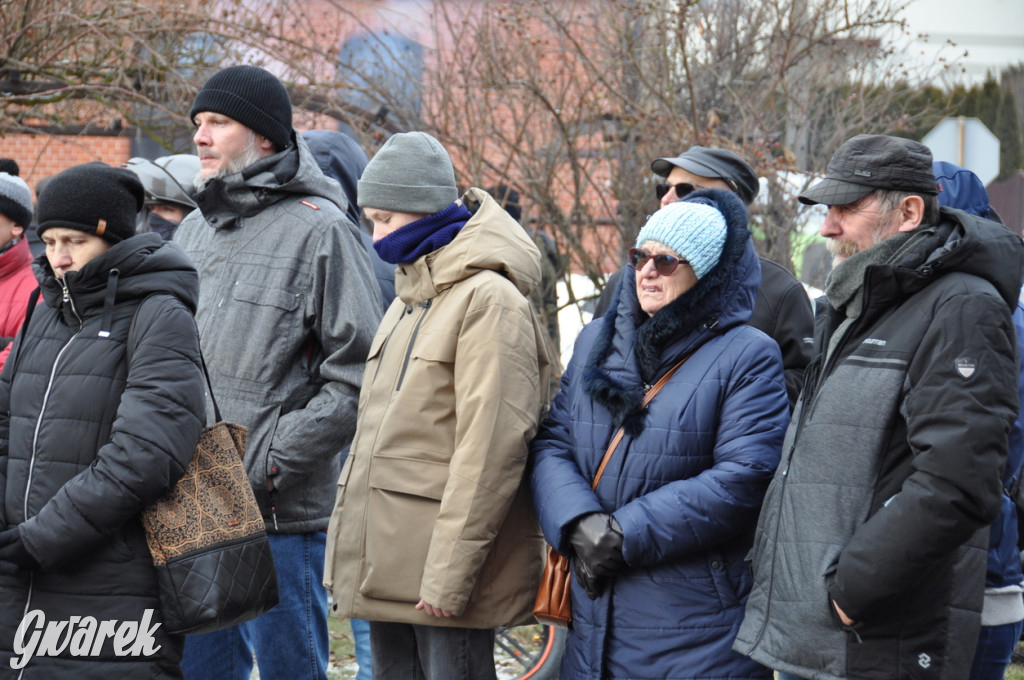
[(101, 406)]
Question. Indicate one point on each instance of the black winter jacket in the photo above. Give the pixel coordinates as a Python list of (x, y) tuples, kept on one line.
[(891, 469), (87, 441)]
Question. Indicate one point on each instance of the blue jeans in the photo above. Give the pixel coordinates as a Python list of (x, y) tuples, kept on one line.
[(290, 641), (995, 647), (361, 636), (403, 651)]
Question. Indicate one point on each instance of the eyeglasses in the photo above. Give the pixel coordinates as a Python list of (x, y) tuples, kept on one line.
[(682, 189), (664, 264)]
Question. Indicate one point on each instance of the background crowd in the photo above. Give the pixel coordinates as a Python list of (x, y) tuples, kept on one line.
[(819, 494)]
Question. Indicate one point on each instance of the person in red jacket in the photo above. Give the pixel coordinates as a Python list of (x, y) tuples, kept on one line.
[(16, 279)]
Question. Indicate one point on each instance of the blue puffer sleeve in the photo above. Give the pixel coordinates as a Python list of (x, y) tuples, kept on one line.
[(561, 492)]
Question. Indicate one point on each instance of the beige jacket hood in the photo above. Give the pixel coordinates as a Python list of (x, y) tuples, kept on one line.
[(490, 241), (431, 501)]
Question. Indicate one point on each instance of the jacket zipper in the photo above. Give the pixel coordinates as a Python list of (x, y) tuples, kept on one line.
[(833, 358), (46, 398), (412, 341)]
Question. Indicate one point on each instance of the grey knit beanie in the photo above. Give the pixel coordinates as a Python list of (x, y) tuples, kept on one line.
[(15, 200), (411, 173)]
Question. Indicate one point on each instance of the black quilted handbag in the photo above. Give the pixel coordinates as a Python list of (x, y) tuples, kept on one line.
[(208, 541)]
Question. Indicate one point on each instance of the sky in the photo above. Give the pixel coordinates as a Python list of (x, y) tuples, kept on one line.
[(992, 32)]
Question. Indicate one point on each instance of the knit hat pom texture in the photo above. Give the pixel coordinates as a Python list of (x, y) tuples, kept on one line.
[(411, 173), (253, 97), (696, 232), (94, 198), (15, 199)]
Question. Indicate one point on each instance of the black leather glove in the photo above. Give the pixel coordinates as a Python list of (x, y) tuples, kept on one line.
[(13, 555), (596, 540), (586, 578)]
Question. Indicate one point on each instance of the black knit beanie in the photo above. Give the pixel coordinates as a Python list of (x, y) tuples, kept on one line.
[(253, 97), (94, 198)]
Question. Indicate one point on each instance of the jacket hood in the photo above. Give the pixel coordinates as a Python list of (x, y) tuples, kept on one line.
[(961, 188), (960, 243), (288, 173), (490, 240), (633, 350), (130, 270), (341, 158)]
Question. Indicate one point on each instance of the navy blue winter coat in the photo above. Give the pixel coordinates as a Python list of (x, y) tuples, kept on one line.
[(687, 480)]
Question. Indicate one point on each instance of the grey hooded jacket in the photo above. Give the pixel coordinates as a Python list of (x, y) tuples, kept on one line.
[(285, 325)]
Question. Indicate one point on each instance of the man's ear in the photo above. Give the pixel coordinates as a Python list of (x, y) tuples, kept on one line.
[(911, 213), (265, 146), (17, 231)]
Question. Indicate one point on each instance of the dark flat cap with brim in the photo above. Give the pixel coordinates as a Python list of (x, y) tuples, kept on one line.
[(716, 164), (869, 162)]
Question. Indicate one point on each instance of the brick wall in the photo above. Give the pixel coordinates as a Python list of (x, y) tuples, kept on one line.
[(42, 155)]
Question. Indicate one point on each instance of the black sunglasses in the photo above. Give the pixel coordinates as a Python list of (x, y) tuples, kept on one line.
[(682, 189), (664, 264)]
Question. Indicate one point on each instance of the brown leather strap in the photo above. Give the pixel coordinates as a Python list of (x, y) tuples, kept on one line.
[(643, 404)]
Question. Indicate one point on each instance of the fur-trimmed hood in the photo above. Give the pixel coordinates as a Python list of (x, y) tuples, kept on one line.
[(633, 350)]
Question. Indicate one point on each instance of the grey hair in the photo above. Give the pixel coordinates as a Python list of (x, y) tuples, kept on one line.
[(890, 199)]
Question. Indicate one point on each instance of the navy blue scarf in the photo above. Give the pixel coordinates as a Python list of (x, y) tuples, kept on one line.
[(425, 235)]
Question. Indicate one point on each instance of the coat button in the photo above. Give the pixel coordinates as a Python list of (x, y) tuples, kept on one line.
[(716, 565), (408, 310)]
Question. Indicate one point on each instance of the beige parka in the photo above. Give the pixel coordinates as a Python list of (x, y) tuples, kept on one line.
[(432, 501)]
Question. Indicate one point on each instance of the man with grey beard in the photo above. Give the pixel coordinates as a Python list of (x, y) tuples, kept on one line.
[(288, 305), (869, 558)]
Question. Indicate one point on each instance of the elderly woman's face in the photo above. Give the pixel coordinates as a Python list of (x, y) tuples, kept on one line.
[(654, 290)]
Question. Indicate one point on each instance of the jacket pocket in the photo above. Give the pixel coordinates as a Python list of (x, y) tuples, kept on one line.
[(259, 295), (404, 498), (727, 579), (268, 317)]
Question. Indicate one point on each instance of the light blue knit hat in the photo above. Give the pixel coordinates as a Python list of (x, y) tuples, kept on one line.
[(696, 232)]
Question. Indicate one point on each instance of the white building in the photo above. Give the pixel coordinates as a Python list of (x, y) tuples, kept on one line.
[(990, 31)]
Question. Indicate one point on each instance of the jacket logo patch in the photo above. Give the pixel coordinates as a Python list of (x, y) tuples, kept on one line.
[(924, 661), (874, 341), (965, 367)]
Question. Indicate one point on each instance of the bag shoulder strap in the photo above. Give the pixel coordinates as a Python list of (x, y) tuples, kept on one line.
[(643, 404)]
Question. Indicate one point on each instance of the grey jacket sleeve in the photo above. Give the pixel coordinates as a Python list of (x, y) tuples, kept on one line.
[(344, 301)]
